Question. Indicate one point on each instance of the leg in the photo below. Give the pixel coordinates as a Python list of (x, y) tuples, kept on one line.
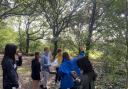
[(56, 78), (45, 78), (42, 79), (35, 84)]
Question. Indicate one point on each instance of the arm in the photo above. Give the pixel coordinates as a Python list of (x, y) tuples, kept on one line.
[(32, 66), (19, 61), (60, 72)]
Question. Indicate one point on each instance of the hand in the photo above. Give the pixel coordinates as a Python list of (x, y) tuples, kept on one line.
[(49, 65), (14, 88), (19, 54), (74, 74)]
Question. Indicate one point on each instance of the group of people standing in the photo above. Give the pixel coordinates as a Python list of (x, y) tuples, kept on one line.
[(72, 73)]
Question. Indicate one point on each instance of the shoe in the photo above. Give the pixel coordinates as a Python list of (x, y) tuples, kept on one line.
[(41, 86)]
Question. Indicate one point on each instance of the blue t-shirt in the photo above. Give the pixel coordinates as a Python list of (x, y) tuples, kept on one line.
[(74, 62), (65, 74)]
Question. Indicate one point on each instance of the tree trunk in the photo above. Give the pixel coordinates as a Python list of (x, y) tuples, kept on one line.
[(126, 37), (27, 45), (126, 60), (27, 34), (55, 41), (55, 48), (27, 39), (20, 43), (90, 30)]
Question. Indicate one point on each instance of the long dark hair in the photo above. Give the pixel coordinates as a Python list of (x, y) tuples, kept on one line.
[(9, 53), (85, 65), (66, 56)]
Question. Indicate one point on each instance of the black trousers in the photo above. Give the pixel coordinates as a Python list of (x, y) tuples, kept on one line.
[(57, 78)]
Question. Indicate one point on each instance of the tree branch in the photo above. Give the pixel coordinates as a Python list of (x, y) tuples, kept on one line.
[(34, 32)]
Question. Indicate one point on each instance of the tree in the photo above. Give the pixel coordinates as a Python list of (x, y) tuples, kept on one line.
[(126, 37), (77, 26), (111, 38), (30, 32), (90, 29), (58, 14), (5, 35), (16, 7), (20, 34)]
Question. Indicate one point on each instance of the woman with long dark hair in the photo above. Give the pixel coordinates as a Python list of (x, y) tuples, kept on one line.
[(9, 66), (88, 76), (66, 73)]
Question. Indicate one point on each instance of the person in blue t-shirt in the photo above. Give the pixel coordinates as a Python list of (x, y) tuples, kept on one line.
[(74, 61), (66, 73), (45, 68)]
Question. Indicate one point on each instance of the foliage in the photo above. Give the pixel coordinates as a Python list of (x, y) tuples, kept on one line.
[(34, 45), (7, 35)]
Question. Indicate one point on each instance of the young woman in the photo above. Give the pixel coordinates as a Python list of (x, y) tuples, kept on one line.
[(59, 61), (88, 75), (36, 71), (9, 67), (66, 73)]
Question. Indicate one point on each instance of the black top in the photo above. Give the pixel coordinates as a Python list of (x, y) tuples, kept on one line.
[(10, 76), (85, 65), (35, 69)]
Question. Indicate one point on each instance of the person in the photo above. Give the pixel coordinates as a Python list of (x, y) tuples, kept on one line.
[(59, 61), (59, 56), (74, 60), (81, 51), (9, 67), (65, 71), (45, 68), (88, 75), (35, 66), (19, 58)]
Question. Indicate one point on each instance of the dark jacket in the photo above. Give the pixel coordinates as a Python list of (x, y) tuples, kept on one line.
[(87, 78), (10, 76), (35, 69)]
